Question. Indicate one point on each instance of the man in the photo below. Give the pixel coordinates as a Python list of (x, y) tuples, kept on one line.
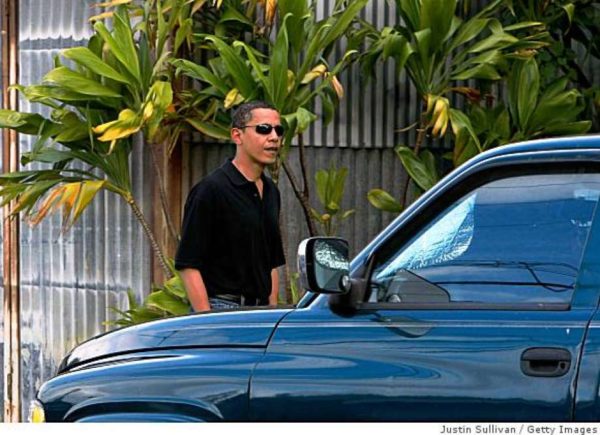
[(231, 244)]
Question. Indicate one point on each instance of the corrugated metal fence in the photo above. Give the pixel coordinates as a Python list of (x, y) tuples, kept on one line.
[(70, 280)]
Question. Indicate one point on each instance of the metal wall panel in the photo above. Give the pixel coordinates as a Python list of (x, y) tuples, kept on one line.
[(70, 280)]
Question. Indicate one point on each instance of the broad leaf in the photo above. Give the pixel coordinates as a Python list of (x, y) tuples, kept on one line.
[(79, 83), (124, 38), (236, 67), (571, 128), (85, 57), (469, 31), (278, 77), (119, 51), (523, 90), (420, 172), (89, 189), (209, 129), (384, 201), (167, 302), (199, 72), (437, 15), (341, 22), (298, 10), (27, 123)]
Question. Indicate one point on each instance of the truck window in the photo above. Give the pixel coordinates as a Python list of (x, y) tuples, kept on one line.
[(511, 241)]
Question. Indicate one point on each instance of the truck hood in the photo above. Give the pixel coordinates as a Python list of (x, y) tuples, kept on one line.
[(240, 328)]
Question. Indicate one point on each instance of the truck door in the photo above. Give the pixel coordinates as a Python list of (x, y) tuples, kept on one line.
[(477, 310)]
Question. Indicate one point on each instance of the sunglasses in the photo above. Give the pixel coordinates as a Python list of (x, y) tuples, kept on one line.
[(266, 129)]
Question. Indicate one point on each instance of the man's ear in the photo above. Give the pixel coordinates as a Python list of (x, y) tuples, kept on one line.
[(236, 134)]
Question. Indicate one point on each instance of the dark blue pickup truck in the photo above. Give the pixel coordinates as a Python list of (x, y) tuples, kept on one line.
[(479, 302)]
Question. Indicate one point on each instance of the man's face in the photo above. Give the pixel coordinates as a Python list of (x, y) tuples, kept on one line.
[(254, 146)]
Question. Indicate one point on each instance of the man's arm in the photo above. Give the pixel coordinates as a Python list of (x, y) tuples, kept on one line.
[(273, 297), (195, 288)]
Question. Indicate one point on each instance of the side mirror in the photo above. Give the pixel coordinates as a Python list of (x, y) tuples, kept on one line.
[(323, 265)]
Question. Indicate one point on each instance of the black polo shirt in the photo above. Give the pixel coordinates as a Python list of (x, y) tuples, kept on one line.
[(231, 235)]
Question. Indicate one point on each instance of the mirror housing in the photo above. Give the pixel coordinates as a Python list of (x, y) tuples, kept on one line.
[(324, 265)]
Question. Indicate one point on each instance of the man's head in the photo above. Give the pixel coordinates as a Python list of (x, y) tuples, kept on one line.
[(256, 130)]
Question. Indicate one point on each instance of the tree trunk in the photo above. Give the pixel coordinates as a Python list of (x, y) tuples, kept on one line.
[(153, 243)]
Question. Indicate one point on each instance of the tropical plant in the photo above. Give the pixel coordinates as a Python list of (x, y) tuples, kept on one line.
[(330, 185), (167, 300), (437, 48), (574, 31), (112, 89), (288, 73)]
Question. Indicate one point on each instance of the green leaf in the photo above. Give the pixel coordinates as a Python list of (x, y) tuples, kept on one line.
[(257, 67), (418, 170), (85, 57), (119, 50), (305, 118), (312, 57), (321, 182), (231, 14), (40, 93), (278, 77), (571, 128), (209, 129), (437, 15), (494, 41), (236, 67), (555, 109), (176, 287), (410, 11), (73, 81), (384, 201), (144, 314), (27, 123), (523, 90), (201, 73), (46, 155), (124, 38), (570, 10), (469, 31), (482, 72), (328, 109), (131, 299), (166, 302), (183, 33), (342, 21), (347, 214), (463, 129), (299, 11), (89, 189)]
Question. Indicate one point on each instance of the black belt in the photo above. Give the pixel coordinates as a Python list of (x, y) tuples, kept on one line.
[(249, 301)]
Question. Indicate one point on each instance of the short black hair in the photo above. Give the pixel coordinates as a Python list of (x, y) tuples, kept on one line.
[(243, 114)]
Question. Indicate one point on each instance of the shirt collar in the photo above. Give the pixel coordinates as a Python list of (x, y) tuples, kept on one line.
[(235, 176)]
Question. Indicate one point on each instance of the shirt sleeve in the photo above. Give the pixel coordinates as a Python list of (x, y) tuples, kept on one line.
[(196, 228), (277, 254)]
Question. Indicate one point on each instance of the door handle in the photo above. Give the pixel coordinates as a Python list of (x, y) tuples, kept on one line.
[(545, 361)]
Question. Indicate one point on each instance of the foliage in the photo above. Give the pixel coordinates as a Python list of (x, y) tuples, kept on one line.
[(330, 191), (283, 71), (170, 299), (110, 89), (574, 30), (438, 50)]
